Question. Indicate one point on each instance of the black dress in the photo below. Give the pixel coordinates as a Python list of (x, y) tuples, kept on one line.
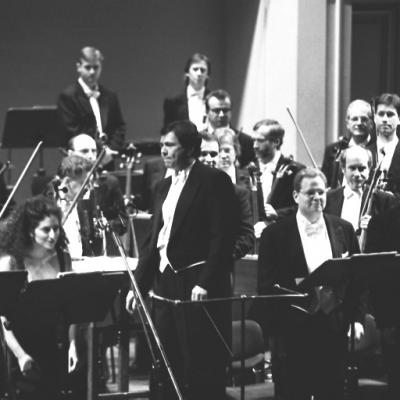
[(44, 336)]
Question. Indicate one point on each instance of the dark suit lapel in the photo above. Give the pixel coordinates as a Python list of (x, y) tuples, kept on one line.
[(295, 250), (336, 237), (394, 169), (336, 199), (83, 100), (186, 198), (161, 195), (104, 107)]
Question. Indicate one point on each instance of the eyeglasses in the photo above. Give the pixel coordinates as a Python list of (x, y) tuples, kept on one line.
[(224, 110), (313, 192), (209, 153)]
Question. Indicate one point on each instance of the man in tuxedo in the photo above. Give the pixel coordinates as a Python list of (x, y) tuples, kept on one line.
[(360, 131), (348, 201), (191, 103), (312, 346), (276, 172), (219, 115), (221, 153), (387, 112), (189, 257), (86, 106)]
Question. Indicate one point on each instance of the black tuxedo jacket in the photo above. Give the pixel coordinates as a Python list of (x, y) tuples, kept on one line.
[(203, 228), (77, 116), (281, 260), (176, 108), (332, 169), (382, 201)]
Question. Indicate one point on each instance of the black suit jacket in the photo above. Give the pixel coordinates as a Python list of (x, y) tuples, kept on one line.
[(281, 257), (332, 169), (382, 201), (245, 236), (77, 116), (203, 228)]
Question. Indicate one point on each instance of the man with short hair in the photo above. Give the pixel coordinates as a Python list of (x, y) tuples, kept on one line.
[(86, 106), (105, 195), (348, 201), (189, 257), (312, 348), (209, 150), (360, 131), (219, 115), (387, 112), (276, 171)]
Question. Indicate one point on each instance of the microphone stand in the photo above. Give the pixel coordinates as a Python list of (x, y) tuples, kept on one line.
[(16, 186), (143, 311)]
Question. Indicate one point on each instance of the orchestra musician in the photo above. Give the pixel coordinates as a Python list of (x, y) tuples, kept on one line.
[(219, 115), (191, 104), (276, 172), (32, 239), (87, 106), (189, 256), (360, 131), (348, 201), (221, 153), (386, 117), (312, 347)]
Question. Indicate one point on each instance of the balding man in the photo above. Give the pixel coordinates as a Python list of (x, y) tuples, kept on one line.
[(348, 201), (87, 106), (360, 131)]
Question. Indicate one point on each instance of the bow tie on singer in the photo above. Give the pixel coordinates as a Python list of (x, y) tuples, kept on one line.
[(314, 229)]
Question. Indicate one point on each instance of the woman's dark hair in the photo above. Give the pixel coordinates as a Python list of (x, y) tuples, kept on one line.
[(16, 232)]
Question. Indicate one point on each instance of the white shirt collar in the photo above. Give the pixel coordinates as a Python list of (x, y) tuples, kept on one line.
[(271, 166), (190, 92), (88, 91), (348, 192)]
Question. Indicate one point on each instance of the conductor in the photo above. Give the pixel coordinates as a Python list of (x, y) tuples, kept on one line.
[(189, 256)]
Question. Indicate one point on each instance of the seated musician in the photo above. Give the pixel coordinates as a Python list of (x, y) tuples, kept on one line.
[(276, 172), (349, 200), (32, 239), (222, 154), (312, 347)]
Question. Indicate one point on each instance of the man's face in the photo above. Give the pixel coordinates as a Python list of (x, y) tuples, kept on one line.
[(264, 146), (219, 112), (209, 152), (311, 198), (359, 122), (89, 71), (356, 170), (227, 155), (85, 146), (198, 74), (172, 152), (386, 120)]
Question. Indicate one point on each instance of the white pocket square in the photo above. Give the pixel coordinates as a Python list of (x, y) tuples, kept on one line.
[(345, 254)]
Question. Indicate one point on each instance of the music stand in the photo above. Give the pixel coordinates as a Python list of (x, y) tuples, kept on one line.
[(281, 295), (24, 127), (11, 283), (362, 269)]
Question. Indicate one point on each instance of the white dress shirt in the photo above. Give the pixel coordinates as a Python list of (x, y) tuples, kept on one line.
[(93, 95), (72, 230), (389, 148), (267, 175), (315, 240), (351, 206), (168, 212), (196, 107)]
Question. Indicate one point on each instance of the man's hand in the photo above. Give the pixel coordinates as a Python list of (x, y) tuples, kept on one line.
[(198, 293), (72, 357), (270, 211), (258, 228), (358, 331), (364, 221), (28, 367), (130, 302)]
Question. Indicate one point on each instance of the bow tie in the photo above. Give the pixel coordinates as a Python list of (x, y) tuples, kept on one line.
[(93, 93), (314, 229)]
